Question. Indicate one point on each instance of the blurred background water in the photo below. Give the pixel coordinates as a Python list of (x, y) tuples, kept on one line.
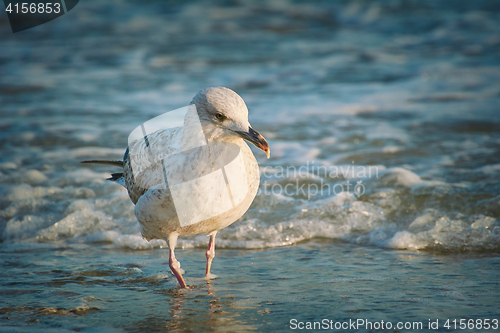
[(383, 120)]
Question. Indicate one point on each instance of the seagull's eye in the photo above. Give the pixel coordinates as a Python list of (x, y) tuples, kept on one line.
[(220, 116)]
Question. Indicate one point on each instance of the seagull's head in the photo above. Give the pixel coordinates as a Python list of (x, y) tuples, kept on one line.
[(224, 116)]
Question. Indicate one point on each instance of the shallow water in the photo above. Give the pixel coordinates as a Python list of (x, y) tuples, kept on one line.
[(94, 288), (381, 199)]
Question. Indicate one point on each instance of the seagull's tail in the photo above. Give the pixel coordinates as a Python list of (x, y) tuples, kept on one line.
[(115, 177), (118, 178), (115, 163)]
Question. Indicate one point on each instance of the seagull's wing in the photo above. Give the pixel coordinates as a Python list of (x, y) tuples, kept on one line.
[(155, 164), (156, 212), (143, 163)]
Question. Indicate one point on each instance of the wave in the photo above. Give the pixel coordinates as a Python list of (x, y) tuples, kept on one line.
[(397, 210)]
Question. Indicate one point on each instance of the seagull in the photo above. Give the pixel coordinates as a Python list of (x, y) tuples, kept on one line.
[(196, 178)]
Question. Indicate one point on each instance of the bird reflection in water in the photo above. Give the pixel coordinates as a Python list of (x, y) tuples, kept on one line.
[(217, 311)]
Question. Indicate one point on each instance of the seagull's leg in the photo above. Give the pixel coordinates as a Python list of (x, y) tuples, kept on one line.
[(210, 255), (175, 266)]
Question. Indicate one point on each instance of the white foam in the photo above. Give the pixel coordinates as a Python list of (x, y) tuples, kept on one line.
[(77, 205), (293, 152), (8, 165), (104, 214), (405, 240), (489, 169), (79, 223), (136, 242), (23, 227), (31, 177), (35, 176), (398, 177), (424, 222), (25, 191), (77, 153)]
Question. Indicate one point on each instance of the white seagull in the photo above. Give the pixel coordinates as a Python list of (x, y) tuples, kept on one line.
[(198, 178)]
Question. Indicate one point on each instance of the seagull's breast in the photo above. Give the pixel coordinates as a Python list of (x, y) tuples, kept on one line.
[(202, 189)]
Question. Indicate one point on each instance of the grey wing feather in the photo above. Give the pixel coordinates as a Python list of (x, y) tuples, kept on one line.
[(115, 163)]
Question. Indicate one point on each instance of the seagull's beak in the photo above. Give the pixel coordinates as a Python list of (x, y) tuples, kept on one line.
[(256, 139)]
